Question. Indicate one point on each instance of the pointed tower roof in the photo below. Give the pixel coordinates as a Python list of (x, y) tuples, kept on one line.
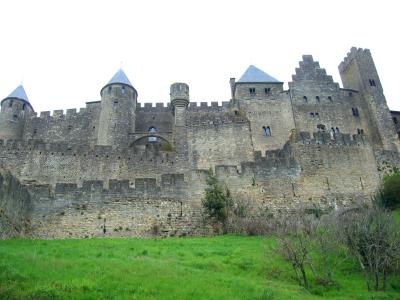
[(120, 77), (19, 93), (254, 74)]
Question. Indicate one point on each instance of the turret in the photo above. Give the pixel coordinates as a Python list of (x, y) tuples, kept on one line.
[(118, 105), (358, 72), (14, 110), (179, 102)]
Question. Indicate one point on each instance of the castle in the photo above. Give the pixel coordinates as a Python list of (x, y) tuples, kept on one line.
[(129, 168)]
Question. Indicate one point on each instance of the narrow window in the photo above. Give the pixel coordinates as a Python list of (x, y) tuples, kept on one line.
[(152, 131), (252, 91), (236, 113), (69, 127), (337, 130), (123, 90), (267, 130), (354, 110), (115, 103), (329, 98), (24, 106), (350, 94), (268, 90), (305, 98), (312, 114), (10, 104), (109, 89), (317, 114), (395, 120), (372, 82), (317, 98), (15, 117), (333, 133), (360, 131)]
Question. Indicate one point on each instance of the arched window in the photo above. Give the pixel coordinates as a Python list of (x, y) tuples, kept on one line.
[(152, 130), (337, 130), (305, 98), (267, 130), (333, 133)]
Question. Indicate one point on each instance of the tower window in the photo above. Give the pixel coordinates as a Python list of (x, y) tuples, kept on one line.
[(152, 130), (350, 94), (109, 89), (267, 130), (267, 90), (10, 104), (123, 90), (252, 91), (24, 106), (305, 98), (15, 117), (354, 110), (360, 131), (317, 98), (395, 121), (372, 82), (329, 98)]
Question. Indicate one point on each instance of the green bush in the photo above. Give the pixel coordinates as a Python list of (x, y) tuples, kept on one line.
[(389, 195), (217, 200)]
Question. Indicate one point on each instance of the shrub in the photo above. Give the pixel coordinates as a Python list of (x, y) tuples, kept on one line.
[(389, 195), (217, 200)]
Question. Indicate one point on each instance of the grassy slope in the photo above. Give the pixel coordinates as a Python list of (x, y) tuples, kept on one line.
[(224, 267)]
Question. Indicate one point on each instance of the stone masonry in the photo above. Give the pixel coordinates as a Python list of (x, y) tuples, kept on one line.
[(122, 168)]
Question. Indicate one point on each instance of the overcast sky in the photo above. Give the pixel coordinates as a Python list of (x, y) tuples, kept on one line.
[(66, 51)]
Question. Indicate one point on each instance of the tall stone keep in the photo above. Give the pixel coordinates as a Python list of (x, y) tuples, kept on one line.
[(358, 72), (118, 105), (14, 110), (179, 93)]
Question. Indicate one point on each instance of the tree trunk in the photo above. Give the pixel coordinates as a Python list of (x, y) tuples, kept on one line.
[(303, 273)]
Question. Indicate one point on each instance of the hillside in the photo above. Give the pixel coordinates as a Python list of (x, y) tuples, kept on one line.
[(223, 267)]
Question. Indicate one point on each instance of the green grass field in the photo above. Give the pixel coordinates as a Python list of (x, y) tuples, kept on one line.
[(223, 267)]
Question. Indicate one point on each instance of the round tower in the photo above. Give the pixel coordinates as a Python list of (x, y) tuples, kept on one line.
[(179, 93), (117, 116), (14, 110)]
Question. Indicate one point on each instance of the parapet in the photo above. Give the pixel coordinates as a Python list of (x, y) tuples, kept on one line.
[(326, 138), (170, 184), (207, 107), (149, 107)]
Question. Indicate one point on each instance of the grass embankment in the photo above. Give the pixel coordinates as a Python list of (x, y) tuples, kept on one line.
[(223, 267)]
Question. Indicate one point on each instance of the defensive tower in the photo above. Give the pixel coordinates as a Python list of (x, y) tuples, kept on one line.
[(118, 105), (179, 93), (358, 72), (14, 110)]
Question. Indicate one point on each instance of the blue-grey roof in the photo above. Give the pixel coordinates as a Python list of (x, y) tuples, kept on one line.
[(120, 77), (19, 93), (254, 74)]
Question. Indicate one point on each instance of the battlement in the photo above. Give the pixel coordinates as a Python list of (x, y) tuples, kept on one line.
[(326, 138), (149, 107), (169, 184), (98, 151), (207, 107), (353, 54)]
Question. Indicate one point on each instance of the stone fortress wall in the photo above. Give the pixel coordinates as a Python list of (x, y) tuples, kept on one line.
[(139, 169)]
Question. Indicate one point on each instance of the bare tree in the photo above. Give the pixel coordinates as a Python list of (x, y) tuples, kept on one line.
[(373, 238)]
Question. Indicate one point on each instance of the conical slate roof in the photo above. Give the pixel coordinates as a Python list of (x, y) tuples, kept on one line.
[(19, 93), (120, 77), (254, 74)]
